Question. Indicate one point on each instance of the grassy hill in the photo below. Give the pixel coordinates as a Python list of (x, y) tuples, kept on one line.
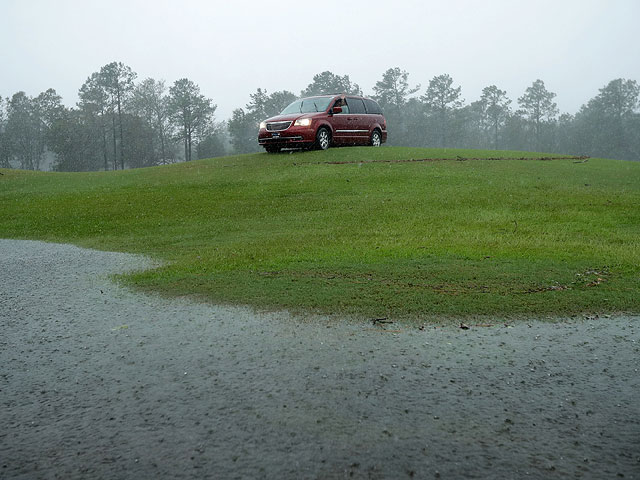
[(370, 232)]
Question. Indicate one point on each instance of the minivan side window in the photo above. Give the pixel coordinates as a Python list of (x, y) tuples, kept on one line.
[(355, 105), (372, 107), (345, 107)]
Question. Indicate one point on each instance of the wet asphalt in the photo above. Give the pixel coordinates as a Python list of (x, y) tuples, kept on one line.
[(101, 382)]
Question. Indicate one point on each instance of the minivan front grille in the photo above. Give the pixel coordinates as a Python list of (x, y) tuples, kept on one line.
[(277, 126)]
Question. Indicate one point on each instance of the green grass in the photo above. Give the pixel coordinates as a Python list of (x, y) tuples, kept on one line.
[(374, 237)]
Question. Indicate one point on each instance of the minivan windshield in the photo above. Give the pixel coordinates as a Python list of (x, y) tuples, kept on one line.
[(308, 105)]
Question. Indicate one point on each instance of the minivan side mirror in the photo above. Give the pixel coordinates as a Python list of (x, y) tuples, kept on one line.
[(337, 109)]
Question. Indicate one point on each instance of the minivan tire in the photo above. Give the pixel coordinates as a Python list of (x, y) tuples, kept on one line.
[(376, 139), (323, 138)]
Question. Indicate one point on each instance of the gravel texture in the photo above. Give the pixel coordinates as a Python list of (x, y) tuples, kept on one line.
[(101, 382)]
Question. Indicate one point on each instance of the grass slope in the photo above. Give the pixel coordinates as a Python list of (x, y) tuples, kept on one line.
[(378, 235)]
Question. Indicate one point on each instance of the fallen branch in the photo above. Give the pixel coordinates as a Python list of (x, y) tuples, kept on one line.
[(380, 321)]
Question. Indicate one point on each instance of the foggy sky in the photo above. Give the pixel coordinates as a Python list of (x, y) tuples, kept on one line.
[(231, 48)]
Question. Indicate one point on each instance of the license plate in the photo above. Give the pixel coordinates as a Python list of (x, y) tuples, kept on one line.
[(275, 135)]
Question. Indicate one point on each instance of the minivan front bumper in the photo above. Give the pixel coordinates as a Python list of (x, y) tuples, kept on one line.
[(291, 137), (280, 138)]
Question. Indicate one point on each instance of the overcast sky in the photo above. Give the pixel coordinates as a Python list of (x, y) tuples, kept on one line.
[(230, 48)]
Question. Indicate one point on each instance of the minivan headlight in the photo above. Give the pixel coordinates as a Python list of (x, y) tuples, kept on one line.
[(263, 125), (302, 122)]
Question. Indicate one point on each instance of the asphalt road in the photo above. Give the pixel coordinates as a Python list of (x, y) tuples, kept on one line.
[(101, 382)]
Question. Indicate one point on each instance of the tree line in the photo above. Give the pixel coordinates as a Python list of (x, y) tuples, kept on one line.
[(120, 123), (116, 124)]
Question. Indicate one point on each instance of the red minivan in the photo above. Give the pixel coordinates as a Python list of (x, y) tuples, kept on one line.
[(323, 121)]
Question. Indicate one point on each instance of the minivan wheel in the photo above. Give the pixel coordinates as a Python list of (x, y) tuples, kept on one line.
[(376, 139), (323, 138)]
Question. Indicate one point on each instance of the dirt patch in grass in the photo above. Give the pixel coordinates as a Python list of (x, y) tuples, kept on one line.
[(460, 159)]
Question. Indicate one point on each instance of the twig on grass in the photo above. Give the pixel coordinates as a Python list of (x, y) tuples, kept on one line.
[(380, 321)]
